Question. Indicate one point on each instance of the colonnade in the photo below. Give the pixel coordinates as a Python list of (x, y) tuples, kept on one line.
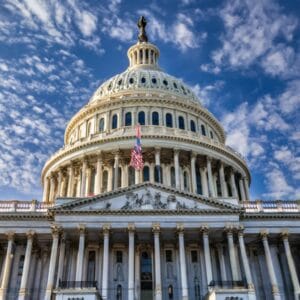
[(58, 254), (203, 175)]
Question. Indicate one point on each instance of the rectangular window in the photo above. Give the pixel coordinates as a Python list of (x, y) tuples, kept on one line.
[(194, 256), (119, 256), (169, 256)]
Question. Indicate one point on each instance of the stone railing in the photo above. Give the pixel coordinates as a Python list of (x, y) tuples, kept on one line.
[(271, 206), (24, 206)]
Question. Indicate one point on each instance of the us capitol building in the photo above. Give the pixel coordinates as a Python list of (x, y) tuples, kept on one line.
[(183, 227)]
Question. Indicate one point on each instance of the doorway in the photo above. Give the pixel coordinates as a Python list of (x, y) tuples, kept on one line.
[(146, 276)]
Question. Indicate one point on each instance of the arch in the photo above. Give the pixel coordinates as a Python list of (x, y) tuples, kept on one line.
[(181, 124), (169, 120), (172, 176), (146, 173), (193, 126), (114, 121), (105, 180), (141, 118), (186, 181), (101, 125), (128, 119), (131, 176), (203, 131), (155, 118)]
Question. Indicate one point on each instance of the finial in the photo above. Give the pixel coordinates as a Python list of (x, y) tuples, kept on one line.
[(142, 25)]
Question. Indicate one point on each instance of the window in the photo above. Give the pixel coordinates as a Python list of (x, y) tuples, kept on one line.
[(91, 266), (169, 120), (146, 173), (194, 256), (181, 122), (114, 122), (141, 118), (119, 292), (170, 292), (92, 184), (193, 126), (89, 129), (169, 256), (131, 176), (158, 174), (155, 118), (203, 131), (211, 135), (173, 182), (186, 183), (101, 125), (119, 257), (105, 181), (128, 119)]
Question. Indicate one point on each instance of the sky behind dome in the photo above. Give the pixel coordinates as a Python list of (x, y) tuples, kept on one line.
[(242, 59)]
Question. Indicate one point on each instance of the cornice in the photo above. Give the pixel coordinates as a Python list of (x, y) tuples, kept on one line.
[(25, 216), (281, 215)]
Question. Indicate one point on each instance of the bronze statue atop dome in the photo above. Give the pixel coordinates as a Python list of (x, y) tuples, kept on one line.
[(142, 25)]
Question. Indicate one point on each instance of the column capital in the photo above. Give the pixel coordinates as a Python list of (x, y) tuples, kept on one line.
[(179, 228), (99, 155), (264, 234), (176, 151), (208, 158), (131, 227), (204, 229), (157, 149), (30, 234), (155, 227), (106, 228), (241, 229), (81, 228), (55, 229), (194, 155), (229, 228), (10, 235), (284, 234)]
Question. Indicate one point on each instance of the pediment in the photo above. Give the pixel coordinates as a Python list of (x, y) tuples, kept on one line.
[(144, 197)]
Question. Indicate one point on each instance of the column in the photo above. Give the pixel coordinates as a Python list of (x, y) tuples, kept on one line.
[(245, 260), (137, 274), (46, 190), (232, 256), (157, 164), (110, 183), (291, 264), (137, 176), (193, 171), (131, 230), (177, 170), (61, 260), (246, 185), (210, 178), (83, 177), (52, 187), (80, 253), (105, 264), (204, 184), (222, 181), (7, 265), (116, 170), (98, 183), (59, 182), (184, 284), (207, 256), (222, 262), (25, 273), (52, 264), (158, 291), (124, 179), (88, 181), (271, 271), (242, 190), (71, 181), (233, 186)]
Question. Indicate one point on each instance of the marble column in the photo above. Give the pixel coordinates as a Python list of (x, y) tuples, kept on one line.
[(46, 190), (246, 185), (210, 178), (7, 265), (222, 181), (71, 181), (222, 262), (207, 257), (158, 287), (245, 260), (270, 266), (59, 183), (177, 168), (116, 170), (291, 264), (137, 274), (233, 185), (61, 259), (193, 172), (204, 184), (137, 176), (98, 181), (131, 232), (25, 274), (52, 264), (124, 177), (157, 164), (232, 255), (83, 177), (88, 180), (105, 265), (184, 283), (242, 190), (80, 253), (52, 188)]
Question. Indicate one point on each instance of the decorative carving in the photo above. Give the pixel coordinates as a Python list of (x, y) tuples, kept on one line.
[(284, 234), (10, 235), (131, 227), (142, 25), (264, 234), (156, 227), (179, 228), (106, 228), (30, 234), (81, 228), (55, 229), (204, 229)]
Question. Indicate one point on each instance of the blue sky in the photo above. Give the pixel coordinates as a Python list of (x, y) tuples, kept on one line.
[(241, 57)]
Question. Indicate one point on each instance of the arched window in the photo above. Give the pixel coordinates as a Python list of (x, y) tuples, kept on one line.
[(186, 181), (119, 292), (91, 265), (169, 120), (146, 173), (119, 178), (114, 122), (128, 119), (141, 118), (211, 135), (101, 125), (193, 126), (105, 181), (158, 174), (155, 118), (203, 131), (181, 122), (131, 176), (93, 180), (173, 181)]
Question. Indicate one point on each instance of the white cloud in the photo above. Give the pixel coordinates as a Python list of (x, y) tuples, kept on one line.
[(289, 100)]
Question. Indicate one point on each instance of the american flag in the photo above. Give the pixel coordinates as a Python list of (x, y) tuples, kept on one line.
[(136, 153)]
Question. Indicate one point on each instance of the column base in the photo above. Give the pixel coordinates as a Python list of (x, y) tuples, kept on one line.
[(48, 294), (22, 294), (158, 295), (275, 292), (3, 293)]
